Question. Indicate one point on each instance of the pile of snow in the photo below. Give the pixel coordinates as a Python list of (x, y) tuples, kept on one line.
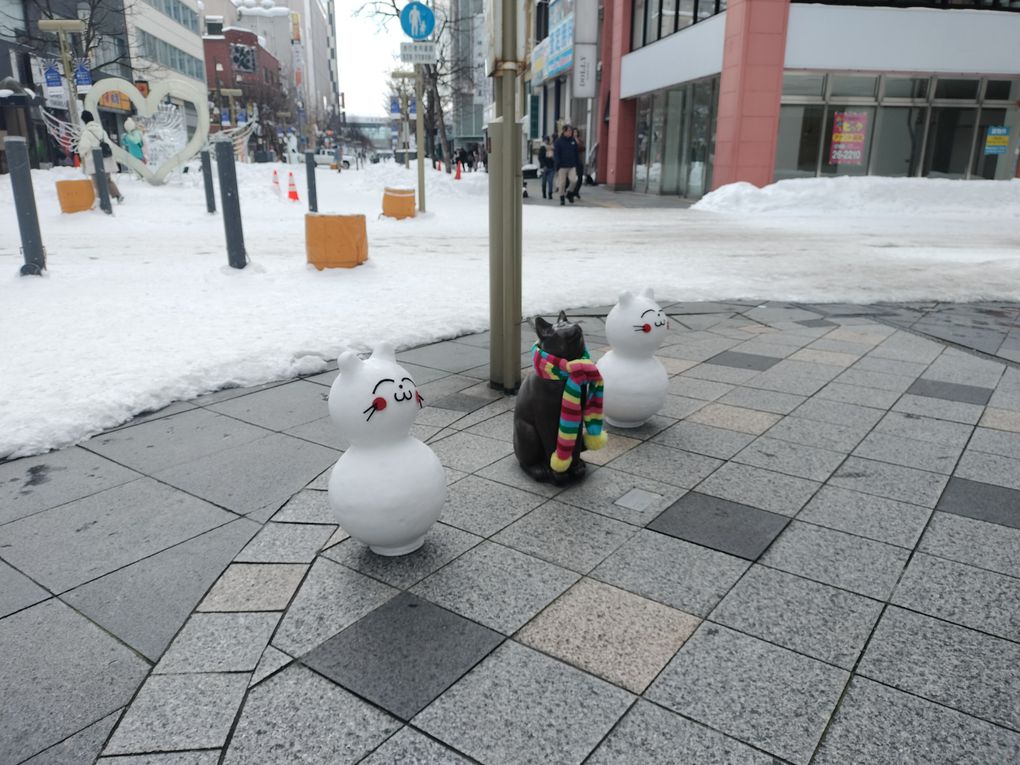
[(868, 196)]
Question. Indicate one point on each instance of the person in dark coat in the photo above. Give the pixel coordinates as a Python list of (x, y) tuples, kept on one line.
[(565, 158), (545, 162), (580, 164)]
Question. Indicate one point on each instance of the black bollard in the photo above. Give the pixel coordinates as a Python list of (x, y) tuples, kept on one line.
[(210, 195), (24, 205), (101, 182), (236, 255), (313, 199)]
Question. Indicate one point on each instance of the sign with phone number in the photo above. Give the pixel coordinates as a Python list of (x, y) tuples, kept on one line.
[(849, 132)]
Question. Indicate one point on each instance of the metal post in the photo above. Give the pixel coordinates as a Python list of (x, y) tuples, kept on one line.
[(72, 104), (407, 132), (101, 182), (210, 194), (419, 133), (313, 199), (236, 255), (24, 205)]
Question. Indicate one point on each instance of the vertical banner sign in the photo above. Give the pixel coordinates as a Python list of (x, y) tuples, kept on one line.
[(82, 77), (848, 133), (225, 116), (586, 37), (997, 140)]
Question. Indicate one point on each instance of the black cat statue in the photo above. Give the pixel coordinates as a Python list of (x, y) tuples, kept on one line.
[(559, 407)]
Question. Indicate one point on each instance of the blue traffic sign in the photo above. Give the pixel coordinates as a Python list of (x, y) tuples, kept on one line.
[(417, 21)]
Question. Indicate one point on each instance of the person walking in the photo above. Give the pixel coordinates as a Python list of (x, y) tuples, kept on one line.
[(565, 163), (94, 137), (580, 164), (546, 164)]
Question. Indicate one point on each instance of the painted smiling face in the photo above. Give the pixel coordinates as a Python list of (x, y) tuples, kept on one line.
[(636, 325), (375, 400)]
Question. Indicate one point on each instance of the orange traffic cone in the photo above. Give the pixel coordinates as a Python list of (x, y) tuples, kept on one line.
[(276, 182), (457, 176), (292, 189)]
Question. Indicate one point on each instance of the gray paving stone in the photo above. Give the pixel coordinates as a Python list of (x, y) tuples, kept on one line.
[(272, 660), (989, 468), (766, 489), (286, 543), (688, 577), (254, 587), (307, 507), (296, 716), (82, 540), (656, 424), (322, 431), (623, 496), (905, 368), (60, 674), (705, 390), (37, 483), (839, 413), (508, 471), (878, 518), (144, 604), (256, 476), (1000, 442), (982, 501), (720, 524), (744, 360), (821, 435), (278, 408), (459, 402), (649, 735), (484, 507), (224, 394), (173, 712), (767, 696), (882, 479), (442, 544), (467, 452), (842, 560), (566, 535), (962, 594), (500, 427), (321, 482), (908, 452), (925, 429), (332, 597), (17, 591), (442, 418), (879, 725), (219, 643), (204, 757), (985, 545), (955, 366), (408, 745), (723, 373), (788, 382), (880, 380), (675, 408), (940, 409), (796, 613), (449, 356), (908, 347), (965, 394), (496, 586), (171, 441), (84, 746), (793, 459), (545, 711), (762, 400), (703, 439), (403, 654), (661, 463), (859, 395), (973, 673)]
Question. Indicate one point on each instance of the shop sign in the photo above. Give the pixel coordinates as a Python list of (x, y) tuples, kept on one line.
[(848, 135), (585, 55), (116, 101), (997, 140), (82, 77), (561, 48), (538, 58)]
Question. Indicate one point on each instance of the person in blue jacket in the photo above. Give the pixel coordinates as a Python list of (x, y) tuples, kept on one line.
[(565, 159)]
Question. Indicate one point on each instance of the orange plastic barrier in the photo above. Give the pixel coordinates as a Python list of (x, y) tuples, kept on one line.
[(75, 196), (335, 241), (398, 203)]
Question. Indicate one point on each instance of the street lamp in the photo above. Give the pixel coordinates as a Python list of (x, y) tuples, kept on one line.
[(63, 27)]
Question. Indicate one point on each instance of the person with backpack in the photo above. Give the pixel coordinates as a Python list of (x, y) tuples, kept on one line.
[(565, 158), (94, 137)]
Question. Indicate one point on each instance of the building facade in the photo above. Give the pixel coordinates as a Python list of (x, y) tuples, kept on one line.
[(701, 93), (470, 87)]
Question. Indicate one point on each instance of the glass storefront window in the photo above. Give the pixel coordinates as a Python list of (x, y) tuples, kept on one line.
[(906, 87), (673, 15), (641, 143), (986, 164), (852, 87), (957, 89), (672, 152), (637, 36), (899, 135), (700, 148), (656, 144), (800, 135), (803, 84), (685, 13), (668, 18), (1000, 90), (950, 139), (652, 11), (847, 146)]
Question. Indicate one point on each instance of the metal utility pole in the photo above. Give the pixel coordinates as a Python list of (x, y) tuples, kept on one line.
[(505, 183), (62, 27), (419, 133)]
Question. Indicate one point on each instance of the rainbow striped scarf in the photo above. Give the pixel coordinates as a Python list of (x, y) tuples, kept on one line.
[(576, 374)]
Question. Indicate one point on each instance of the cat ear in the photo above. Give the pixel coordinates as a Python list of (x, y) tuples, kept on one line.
[(348, 362), (385, 352), (648, 292), (563, 318), (543, 328), (626, 298)]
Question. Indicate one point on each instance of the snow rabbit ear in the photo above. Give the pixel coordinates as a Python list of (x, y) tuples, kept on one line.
[(348, 362), (648, 292), (384, 351), (626, 298)]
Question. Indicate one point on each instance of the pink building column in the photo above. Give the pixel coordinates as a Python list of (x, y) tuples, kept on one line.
[(616, 138), (750, 89)]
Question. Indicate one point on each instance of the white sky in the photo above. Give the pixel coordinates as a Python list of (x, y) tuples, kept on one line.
[(366, 52)]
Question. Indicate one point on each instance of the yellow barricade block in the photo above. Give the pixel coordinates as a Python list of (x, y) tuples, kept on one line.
[(335, 241), (75, 196), (398, 203)]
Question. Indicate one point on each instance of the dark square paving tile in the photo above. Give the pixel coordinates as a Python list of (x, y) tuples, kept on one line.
[(982, 501), (544, 711), (298, 717), (966, 394), (744, 360), (799, 614), (879, 725), (37, 483), (82, 540), (963, 669), (720, 524), (59, 674), (818, 323), (769, 697), (404, 654), (459, 402)]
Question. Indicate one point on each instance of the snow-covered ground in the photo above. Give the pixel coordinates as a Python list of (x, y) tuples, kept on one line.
[(140, 309)]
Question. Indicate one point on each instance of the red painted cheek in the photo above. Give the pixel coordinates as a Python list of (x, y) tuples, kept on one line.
[(646, 328), (419, 399), (379, 403)]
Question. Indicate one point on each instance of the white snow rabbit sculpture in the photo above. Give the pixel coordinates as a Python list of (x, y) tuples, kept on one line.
[(388, 488), (636, 382)]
